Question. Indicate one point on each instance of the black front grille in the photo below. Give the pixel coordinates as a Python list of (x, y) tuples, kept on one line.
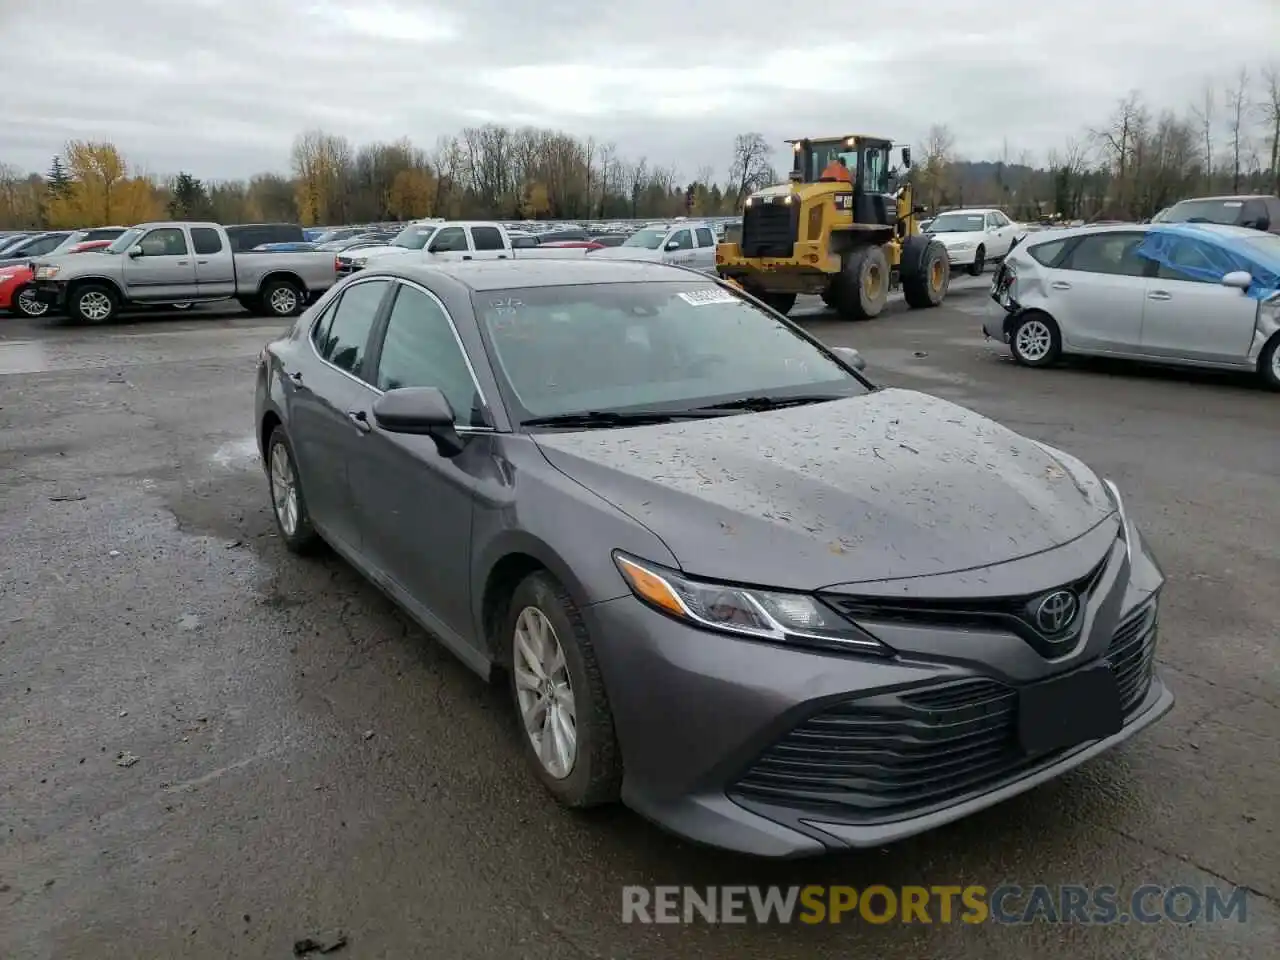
[(893, 755), (769, 229)]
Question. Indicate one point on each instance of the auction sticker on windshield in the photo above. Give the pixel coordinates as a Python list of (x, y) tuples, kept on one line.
[(700, 298)]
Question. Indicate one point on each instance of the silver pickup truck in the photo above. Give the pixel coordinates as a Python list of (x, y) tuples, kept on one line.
[(179, 263)]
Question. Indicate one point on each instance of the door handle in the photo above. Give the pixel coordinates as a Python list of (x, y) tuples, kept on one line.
[(1159, 295), (466, 256), (183, 263), (360, 419), (1060, 285), (502, 256), (202, 262)]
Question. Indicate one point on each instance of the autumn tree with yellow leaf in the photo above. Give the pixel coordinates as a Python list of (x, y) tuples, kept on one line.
[(101, 191)]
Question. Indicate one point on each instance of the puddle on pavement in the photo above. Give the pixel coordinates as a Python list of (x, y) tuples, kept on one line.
[(236, 454), (23, 356)]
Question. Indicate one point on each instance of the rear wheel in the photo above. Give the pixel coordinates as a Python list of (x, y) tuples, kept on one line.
[(25, 303), (862, 289), (1035, 340), (782, 302), (979, 262), (926, 272), (287, 503), (281, 298)]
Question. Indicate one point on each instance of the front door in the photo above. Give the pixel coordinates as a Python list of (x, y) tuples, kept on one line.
[(1189, 314), (326, 385), (415, 505), (1097, 293), (679, 248), (450, 243), (160, 267)]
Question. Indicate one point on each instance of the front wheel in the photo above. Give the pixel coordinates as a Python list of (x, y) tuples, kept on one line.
[(782, 302), (1035, 340), (25, 303), (564, 715), (1269, 363), (862, 288), (979, 262), (93, 303)]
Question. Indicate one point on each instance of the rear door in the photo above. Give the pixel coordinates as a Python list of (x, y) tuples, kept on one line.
[(487, 243), (706, 251), (450, 243), (1189, 315), (215, 268), (1096, 293), (324, 389), (163, 270)]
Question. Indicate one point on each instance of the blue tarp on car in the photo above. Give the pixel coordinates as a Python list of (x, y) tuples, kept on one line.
[(1209, 255)]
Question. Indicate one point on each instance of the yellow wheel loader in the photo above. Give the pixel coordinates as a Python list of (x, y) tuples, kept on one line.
[(844, 228)]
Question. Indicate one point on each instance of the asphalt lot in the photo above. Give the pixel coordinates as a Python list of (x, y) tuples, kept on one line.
[(307, 760)]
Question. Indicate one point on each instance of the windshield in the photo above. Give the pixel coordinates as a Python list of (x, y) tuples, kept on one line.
[(648, 239), (957, 223), (670, 345), (123, 242), (1204, 211), (413, 238)]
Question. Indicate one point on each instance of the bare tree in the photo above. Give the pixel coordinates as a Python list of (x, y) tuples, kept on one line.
[(1122, 141), (1271, 108), (636, 176), (937, 155), (1238, 110), (751, 168), (1205, 115)]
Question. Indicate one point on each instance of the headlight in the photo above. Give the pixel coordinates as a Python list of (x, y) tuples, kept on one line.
[(359, 261), (46, 273), (748, 612), (7, 274)]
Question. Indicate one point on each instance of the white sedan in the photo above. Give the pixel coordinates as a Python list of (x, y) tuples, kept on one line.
[(974, 238)]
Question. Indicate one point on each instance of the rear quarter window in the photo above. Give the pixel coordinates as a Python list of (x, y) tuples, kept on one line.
[(1048, 254)]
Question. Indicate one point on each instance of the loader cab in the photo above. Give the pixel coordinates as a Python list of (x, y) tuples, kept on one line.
[(868, 162)]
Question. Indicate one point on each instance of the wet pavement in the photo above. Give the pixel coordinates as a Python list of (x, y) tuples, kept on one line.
[(209, 748)]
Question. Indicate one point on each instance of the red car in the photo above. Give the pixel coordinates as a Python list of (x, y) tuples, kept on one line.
[(15, 284)]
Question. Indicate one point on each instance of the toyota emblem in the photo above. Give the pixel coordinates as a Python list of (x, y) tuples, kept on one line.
[(1057, 611)]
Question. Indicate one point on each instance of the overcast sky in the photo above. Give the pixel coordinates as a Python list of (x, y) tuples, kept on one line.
[(220, 87)]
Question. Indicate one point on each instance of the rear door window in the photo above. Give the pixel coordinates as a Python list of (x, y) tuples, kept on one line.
[(705, 238), (486, 238), (345, 338), (205, 240), (1109, 253)]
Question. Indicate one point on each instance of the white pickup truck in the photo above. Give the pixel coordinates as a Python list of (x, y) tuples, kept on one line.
[(689, 243), (451, 240), (174, 262)]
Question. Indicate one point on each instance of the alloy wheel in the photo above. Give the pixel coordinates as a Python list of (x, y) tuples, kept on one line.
[(284, 489), (544, 693), (95, 305), (1033, 341)]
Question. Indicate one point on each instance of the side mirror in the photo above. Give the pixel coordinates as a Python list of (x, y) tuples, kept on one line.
[(906, 156), (420, 411), (851, 356), (1263, 223), (135, 252), (1240, 279), (673, 244)]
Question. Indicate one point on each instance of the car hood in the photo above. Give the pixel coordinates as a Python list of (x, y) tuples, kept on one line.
[(376, 253), (625, 253), (966, 236), (891, 484)]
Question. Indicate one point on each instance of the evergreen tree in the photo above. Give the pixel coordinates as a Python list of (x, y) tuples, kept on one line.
[(58, 180), (190, 200)]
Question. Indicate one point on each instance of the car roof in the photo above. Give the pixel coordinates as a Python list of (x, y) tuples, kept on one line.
[(1219, 231), (1234, 196), (535, 272)]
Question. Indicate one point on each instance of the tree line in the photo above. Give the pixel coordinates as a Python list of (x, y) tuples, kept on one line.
[(1134, 163)]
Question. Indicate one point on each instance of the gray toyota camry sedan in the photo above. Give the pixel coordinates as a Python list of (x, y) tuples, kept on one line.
[(730, 581)]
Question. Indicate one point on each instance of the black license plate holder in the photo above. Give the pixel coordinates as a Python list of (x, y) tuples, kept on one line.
[(1066, 711)]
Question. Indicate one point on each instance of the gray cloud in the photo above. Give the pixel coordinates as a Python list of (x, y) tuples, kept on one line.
[(221, 87)]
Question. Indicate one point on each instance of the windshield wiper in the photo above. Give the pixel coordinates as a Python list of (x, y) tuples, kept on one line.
[(774, 403), (616, 418)]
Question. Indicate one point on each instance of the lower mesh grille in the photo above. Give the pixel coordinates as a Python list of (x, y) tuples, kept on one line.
[(890, 756)]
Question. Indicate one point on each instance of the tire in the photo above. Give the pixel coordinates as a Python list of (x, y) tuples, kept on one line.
[(299, 535), (979, 262), (25, 304), (862, 289), (829, 297), (782, 302), (595, 774), (1269, 364), (93, 303), (185, 305), (1035, 340), (926, 272), (281, 298)]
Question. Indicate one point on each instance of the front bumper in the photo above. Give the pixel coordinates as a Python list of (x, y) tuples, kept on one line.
[(962, 258), (52, 292), (701, 719), (807, 271)]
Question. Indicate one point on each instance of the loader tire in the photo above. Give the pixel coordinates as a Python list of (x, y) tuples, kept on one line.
[(862, 289), (926, 272)]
